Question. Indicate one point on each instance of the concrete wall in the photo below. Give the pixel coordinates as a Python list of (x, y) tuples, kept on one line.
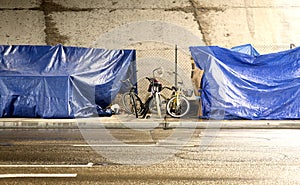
[(260, 22), (81, 23)]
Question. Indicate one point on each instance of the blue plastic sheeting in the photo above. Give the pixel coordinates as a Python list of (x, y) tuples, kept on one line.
[(245, 85), (59, 81), (247, 49)]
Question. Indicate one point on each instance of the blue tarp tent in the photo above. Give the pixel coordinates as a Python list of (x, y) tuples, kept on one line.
[(239, 83), (59, 81)]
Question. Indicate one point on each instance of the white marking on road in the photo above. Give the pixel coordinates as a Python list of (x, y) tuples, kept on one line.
[(130, 145), (46, 166), (38, 175)]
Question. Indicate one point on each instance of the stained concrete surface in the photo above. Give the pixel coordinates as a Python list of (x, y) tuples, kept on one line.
[(225, 23)]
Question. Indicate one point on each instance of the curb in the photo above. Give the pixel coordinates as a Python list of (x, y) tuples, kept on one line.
[(114, 122)]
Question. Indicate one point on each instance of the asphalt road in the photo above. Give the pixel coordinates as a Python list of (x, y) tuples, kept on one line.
[(214, 156)]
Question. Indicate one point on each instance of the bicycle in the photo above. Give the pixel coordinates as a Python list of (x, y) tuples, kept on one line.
[(133, 103), (178, 105)]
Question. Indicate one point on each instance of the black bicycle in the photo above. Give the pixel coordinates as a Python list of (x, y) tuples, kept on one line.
[(133, 104), (131, 101)]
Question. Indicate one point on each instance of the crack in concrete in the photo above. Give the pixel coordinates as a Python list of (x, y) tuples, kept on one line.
[(195, 6), (187, 9), (203, 25), (53, 36)]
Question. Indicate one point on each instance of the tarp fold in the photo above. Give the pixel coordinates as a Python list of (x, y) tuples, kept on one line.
[(60, 81), (239, 83)]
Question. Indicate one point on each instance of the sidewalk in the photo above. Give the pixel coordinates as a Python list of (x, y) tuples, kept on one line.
[(121, 121)]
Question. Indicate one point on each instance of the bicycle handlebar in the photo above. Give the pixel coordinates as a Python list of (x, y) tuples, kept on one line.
[(151, 79), (170, 88)]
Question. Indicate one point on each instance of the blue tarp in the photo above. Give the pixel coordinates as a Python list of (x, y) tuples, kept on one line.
[(59, 81), (246, 49), (239, 83)]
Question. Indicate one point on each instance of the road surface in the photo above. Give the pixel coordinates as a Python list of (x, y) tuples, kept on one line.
[(224, 156)]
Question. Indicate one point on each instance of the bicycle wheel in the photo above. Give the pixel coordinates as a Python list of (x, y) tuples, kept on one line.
[(178, 109), (162, 104), (132, 103)]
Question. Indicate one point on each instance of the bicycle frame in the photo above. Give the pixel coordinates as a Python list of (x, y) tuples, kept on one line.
[(177, 93), (155, 87)]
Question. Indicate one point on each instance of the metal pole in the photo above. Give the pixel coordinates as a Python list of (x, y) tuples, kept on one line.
[(175, 65)]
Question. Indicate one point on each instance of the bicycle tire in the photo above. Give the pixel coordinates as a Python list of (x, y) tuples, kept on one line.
[(175, 111), (132, 99), (128, 103)]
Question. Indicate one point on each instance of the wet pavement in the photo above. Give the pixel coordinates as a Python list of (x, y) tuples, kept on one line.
[(209, 156)]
